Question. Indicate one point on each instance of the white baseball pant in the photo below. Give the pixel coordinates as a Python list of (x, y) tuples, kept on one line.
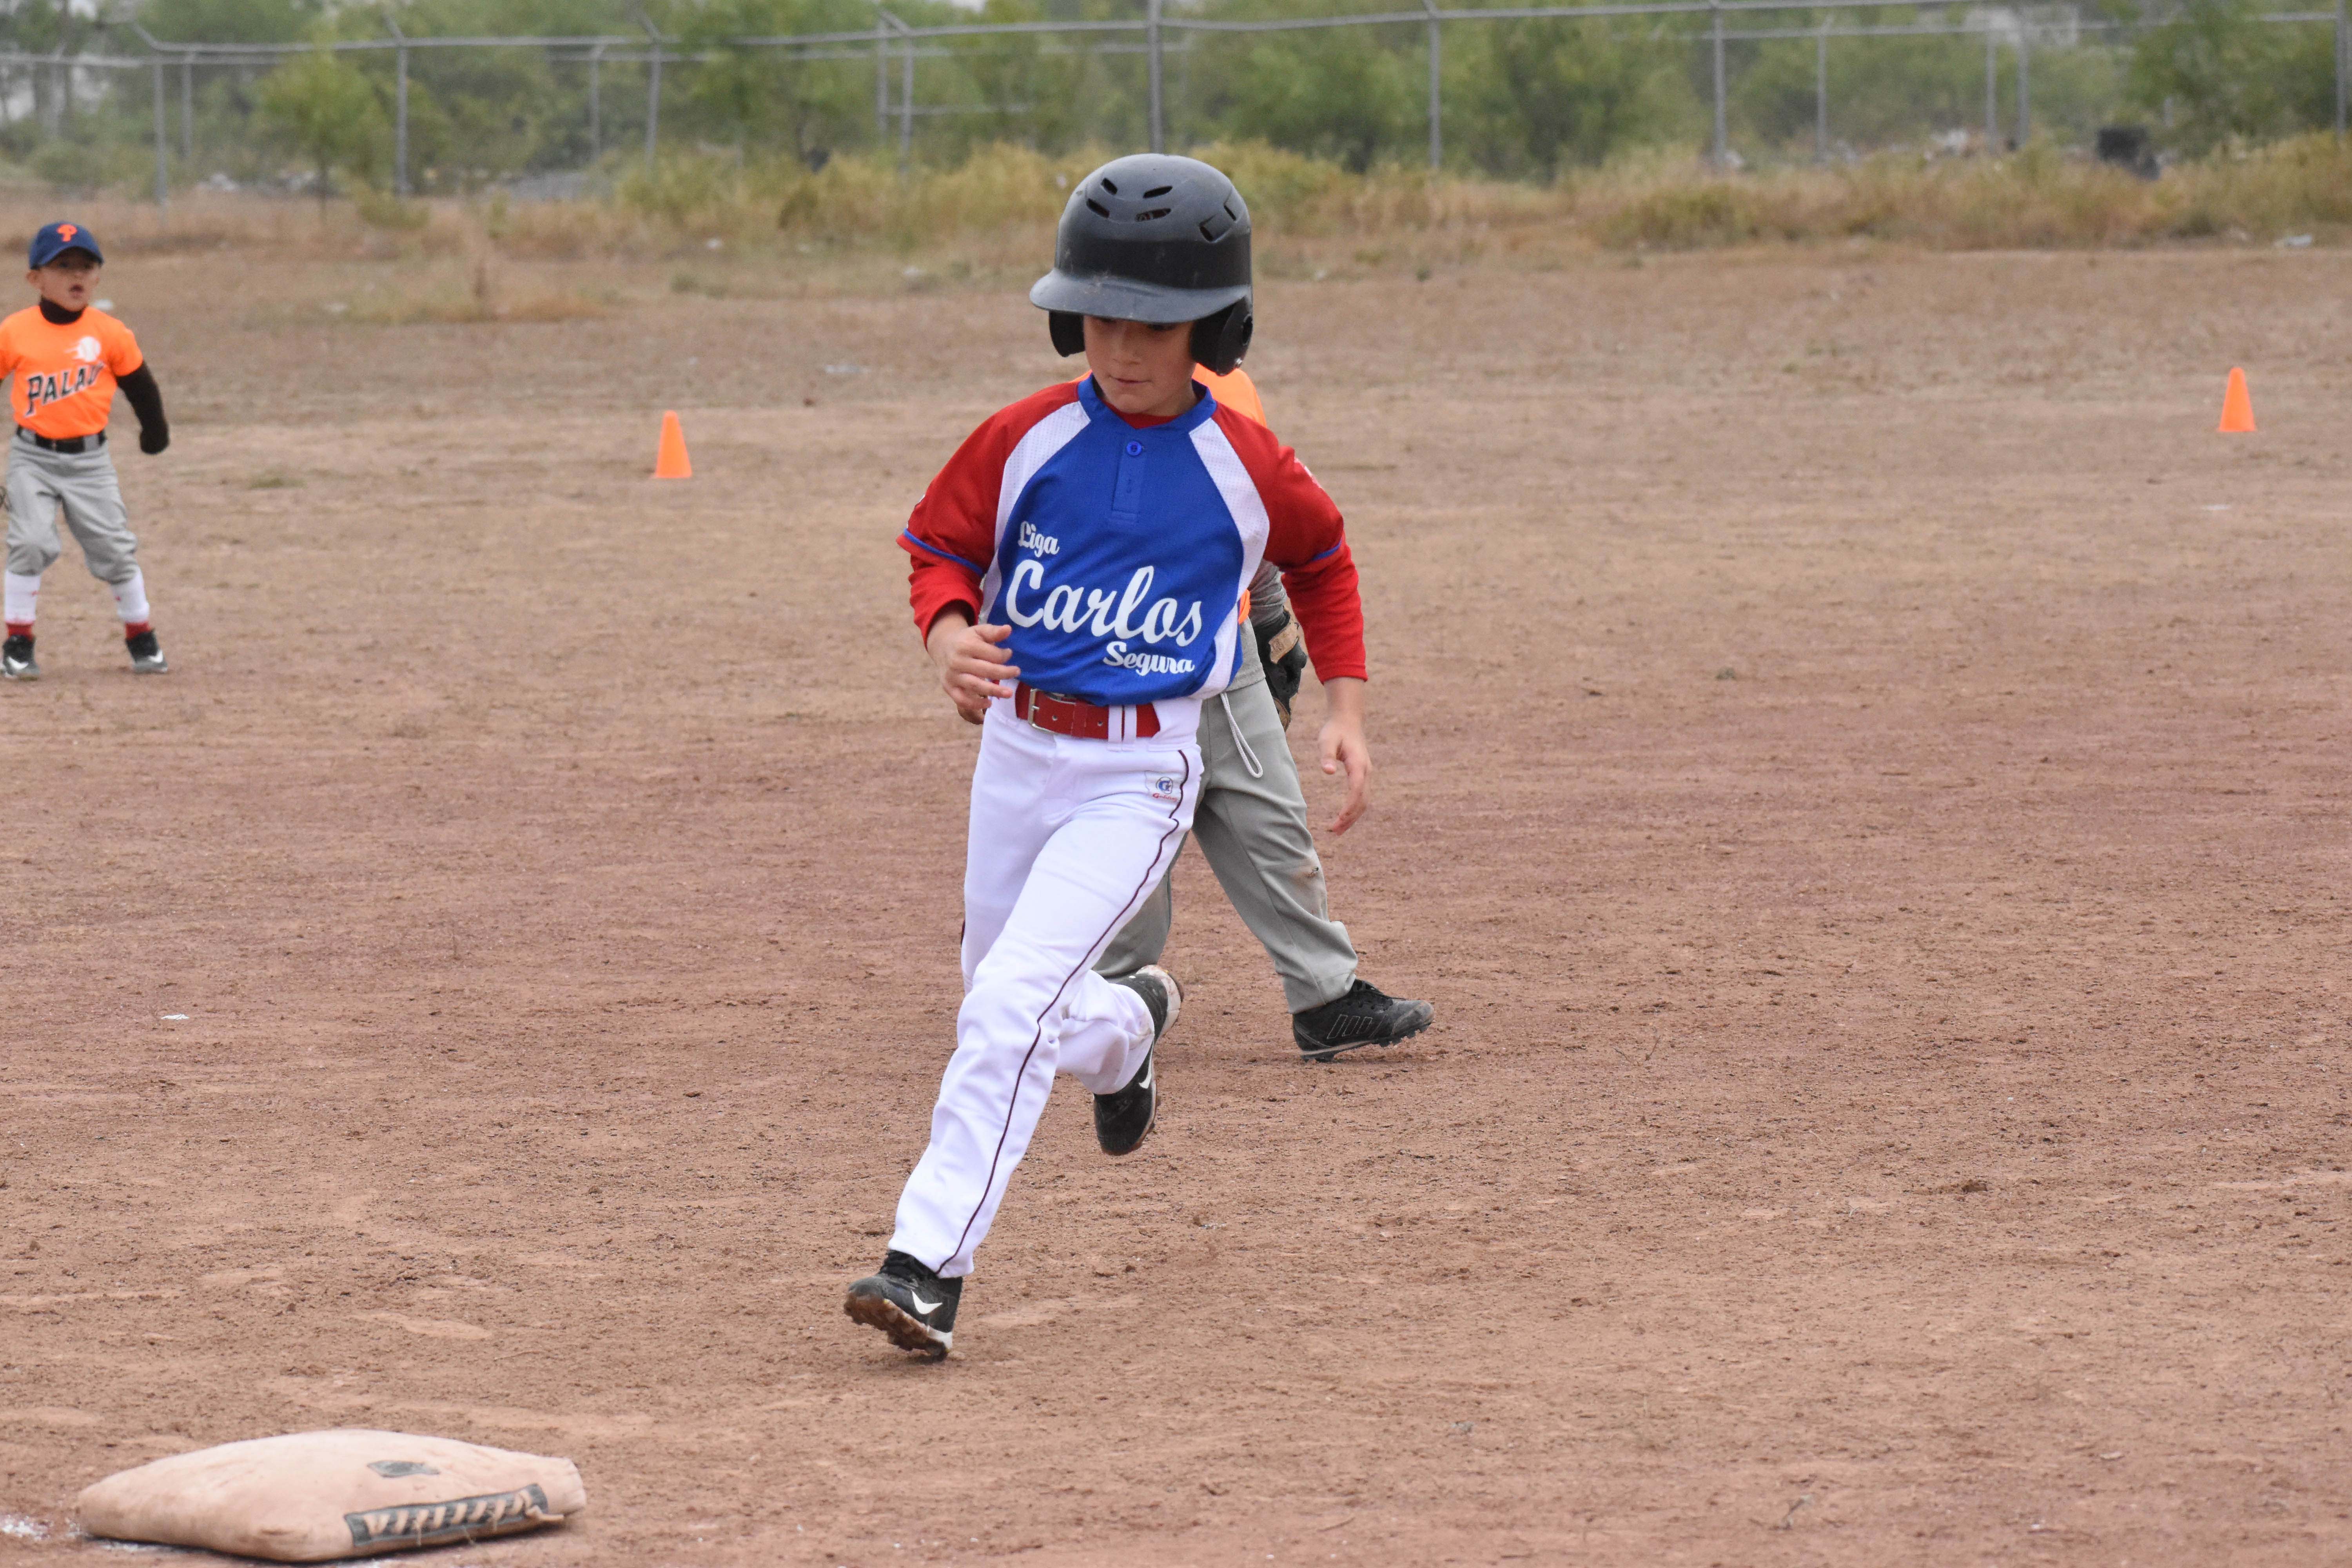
[(1067, 839)]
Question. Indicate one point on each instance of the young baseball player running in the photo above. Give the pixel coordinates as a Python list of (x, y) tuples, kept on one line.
[(1252, 826), (1079, 569), (68, 357)]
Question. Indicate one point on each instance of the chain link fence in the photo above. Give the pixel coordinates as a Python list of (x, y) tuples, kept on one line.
[(549, 114)]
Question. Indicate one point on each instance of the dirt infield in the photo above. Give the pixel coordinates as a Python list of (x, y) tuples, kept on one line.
[(1863, 776)]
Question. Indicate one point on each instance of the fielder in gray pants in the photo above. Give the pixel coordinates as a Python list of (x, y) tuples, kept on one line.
[(1252, 825), (66, 357)]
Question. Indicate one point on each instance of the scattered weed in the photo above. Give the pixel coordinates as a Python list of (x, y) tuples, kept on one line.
[(858, 221)]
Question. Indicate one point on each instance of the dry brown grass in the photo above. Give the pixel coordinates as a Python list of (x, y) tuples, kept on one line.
[(2042, 197), (858, 227), (2039, 199)]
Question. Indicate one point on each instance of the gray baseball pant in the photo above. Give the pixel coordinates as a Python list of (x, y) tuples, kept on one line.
[(1253, 828), (82, 485)]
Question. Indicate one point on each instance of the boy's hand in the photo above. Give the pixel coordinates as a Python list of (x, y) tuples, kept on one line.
[(1343, 746), (972, 667), (153, 439)]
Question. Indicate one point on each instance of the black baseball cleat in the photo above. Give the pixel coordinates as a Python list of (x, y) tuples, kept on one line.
[(16, 659), (908, 1302), (146, 654), (1123, 1120), (1366, 1015)]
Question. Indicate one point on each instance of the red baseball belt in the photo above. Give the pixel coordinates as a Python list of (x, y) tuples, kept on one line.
[(1086, 720)]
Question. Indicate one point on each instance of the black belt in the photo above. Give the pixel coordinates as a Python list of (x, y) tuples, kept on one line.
[(69, 446)]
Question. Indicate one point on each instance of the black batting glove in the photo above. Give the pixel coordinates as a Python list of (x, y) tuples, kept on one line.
[(153, 439), (1283, 649)]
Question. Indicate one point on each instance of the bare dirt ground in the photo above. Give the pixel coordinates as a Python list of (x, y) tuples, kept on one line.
[(1863, 776)]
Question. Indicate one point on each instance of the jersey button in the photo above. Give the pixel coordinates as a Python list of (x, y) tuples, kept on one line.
[(1135, 448)]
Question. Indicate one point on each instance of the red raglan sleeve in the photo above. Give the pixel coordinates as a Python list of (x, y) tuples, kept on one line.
[(1307, 539), (953, 530)]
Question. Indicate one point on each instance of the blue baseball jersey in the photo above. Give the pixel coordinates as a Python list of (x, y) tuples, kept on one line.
[(1117, 553)]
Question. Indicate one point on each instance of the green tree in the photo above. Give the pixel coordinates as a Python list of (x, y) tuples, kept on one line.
[(1542, 95), (489, 113), (2218, 73), (1887, 91), (770, 99), (1038, 87), (327, 113), (1352, 94), (230, 21)]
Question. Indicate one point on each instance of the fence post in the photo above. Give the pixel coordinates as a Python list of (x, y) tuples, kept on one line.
[(2024, 80), (1722, 146), (881, 80), (1993, 104), (1821, 94), (907, 106), (1151, 37), (162, 153), (1436, 66), (2343, 45), (188, 108), (1184, 74), (595, 103), (653, 98), (399, 109)]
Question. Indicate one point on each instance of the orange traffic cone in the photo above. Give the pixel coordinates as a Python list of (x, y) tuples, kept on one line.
[(2237, 407), (670, 461)]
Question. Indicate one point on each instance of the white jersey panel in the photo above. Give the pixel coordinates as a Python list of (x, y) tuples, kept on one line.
[(1231, 477), (1033, 452)]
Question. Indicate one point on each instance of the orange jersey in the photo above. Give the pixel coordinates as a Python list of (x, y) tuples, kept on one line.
[(65, 374), (1235, 389)]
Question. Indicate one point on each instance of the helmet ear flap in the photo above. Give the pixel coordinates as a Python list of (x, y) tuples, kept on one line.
[(1069, 330), (1220, 342)]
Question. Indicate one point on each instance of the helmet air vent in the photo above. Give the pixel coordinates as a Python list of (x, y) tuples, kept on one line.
[(1111, 188), (1100, 210), (1157, 191), (1150, 213)]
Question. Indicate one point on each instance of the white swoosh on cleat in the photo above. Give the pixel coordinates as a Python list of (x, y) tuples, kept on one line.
[(925, 1308)]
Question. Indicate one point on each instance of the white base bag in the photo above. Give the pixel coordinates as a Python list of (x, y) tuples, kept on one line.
[(309, 1497)]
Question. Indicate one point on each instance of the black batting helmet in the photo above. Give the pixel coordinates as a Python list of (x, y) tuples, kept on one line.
[(1157, 239)]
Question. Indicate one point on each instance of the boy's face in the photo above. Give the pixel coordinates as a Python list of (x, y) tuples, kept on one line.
[(1140, 368), (67, 282)]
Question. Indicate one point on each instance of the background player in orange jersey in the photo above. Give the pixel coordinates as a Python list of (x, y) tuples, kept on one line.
[(67, 356)]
